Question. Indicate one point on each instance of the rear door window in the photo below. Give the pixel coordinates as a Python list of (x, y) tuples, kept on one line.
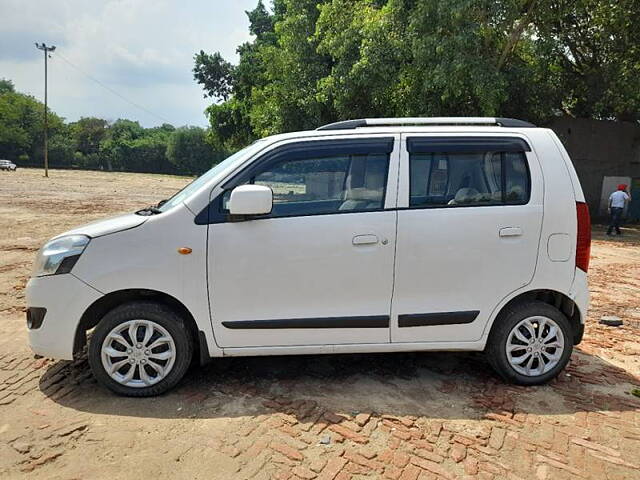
[(472, 174)]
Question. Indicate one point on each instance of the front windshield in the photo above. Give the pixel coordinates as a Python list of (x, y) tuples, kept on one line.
[(194, 186)]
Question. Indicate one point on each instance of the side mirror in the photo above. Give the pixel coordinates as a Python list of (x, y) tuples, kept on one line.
[(251, 200)]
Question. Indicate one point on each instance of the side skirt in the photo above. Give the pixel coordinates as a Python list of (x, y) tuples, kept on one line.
[(355, 348)]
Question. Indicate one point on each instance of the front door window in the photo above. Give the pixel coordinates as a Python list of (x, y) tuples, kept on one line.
[(325, 185)]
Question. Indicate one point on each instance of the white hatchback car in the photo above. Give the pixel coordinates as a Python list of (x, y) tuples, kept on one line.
[(8, 165), (376, 235)]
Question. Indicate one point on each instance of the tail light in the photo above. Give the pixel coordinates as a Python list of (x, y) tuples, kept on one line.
[(583, 241)]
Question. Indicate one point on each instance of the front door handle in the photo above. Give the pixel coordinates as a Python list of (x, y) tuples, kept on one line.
[(510, 232), (365, 239)]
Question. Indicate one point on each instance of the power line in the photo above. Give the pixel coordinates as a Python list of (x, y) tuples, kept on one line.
[(108, 88)]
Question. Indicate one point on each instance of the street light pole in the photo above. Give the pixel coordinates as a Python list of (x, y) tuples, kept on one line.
[(46, 50)]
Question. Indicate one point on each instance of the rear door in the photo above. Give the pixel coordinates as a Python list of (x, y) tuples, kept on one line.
[(469, 220), (318, 270)]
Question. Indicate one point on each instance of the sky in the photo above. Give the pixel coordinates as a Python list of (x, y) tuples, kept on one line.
[(141, 49)]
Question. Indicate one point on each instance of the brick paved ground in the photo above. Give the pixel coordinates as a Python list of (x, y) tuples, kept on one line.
[(401, 416)]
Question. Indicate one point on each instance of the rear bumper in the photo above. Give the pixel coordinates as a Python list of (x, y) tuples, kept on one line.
[(65, 299), (580, 295)]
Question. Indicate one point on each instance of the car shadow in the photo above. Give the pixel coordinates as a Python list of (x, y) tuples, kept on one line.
[(433, 385)]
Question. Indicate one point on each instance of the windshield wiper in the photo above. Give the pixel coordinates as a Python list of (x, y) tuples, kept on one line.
[(149, 211)]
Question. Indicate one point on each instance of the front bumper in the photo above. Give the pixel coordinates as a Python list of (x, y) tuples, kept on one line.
[(65, 299)]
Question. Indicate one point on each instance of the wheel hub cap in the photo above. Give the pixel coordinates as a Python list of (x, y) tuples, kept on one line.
[(138, 353), (534, 346)]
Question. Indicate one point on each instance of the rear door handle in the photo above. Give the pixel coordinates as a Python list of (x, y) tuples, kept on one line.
[(365, 239), (510, 232)]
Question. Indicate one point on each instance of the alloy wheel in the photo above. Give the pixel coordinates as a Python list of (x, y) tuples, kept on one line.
[(534, 346), (138, 353)]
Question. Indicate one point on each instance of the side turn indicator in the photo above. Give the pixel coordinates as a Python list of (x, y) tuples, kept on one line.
[(184, 250)]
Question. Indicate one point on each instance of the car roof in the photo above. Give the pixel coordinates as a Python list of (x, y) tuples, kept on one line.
[(397, 130), (370, 122), (414, 125)]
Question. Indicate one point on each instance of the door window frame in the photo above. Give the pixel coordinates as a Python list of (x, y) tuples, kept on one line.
[(444, 143), (348, 144)]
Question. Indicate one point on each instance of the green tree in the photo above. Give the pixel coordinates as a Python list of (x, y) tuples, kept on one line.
[(233, 84), (149, 154), (189, 152), (132, 148), (6, 86), (288, 100), (115, 149), (22, 126), (316, 61), (94, 143), (260, 20), (87, 133), (595, 45), (214, 73), (432, 58), (61, 148)]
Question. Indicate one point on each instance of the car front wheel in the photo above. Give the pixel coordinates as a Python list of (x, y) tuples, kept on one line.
[(140, 349), (530, 343)]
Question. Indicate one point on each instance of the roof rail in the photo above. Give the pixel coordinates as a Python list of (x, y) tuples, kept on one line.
[(372, 122)]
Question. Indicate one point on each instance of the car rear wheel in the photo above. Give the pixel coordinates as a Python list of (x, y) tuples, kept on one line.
[(140, 349), (530, 343)]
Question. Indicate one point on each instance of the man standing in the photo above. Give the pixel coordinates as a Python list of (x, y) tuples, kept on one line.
[(617, 202)]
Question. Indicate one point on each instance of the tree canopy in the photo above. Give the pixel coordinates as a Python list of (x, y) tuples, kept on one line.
[(188, 150), (6, 86), (95, 143), (316, 61), (312, 62), (22, 123)]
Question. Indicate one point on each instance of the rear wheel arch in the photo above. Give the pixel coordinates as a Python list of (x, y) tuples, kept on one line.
[(551, 297), (531, 344)]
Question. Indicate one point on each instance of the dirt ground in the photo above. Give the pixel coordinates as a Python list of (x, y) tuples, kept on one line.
[(407, 416)]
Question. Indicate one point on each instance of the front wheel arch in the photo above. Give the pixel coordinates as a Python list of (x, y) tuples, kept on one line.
[(98, 309), (149, 353)]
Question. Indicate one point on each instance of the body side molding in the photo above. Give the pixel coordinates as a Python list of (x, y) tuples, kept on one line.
[(432, 319), (372, 321)]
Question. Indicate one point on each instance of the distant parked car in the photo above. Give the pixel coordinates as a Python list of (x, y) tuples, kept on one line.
[(8, 165)]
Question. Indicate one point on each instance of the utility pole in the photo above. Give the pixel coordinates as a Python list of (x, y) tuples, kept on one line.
[(46, 50)]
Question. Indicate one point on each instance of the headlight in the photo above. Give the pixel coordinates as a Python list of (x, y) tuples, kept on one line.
[(59, 255)]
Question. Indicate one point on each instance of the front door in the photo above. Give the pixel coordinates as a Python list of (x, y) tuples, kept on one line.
[(469, 220), (318, 269)]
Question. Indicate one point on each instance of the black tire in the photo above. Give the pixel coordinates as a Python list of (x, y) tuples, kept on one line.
[(158, 313), (506, 321)]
